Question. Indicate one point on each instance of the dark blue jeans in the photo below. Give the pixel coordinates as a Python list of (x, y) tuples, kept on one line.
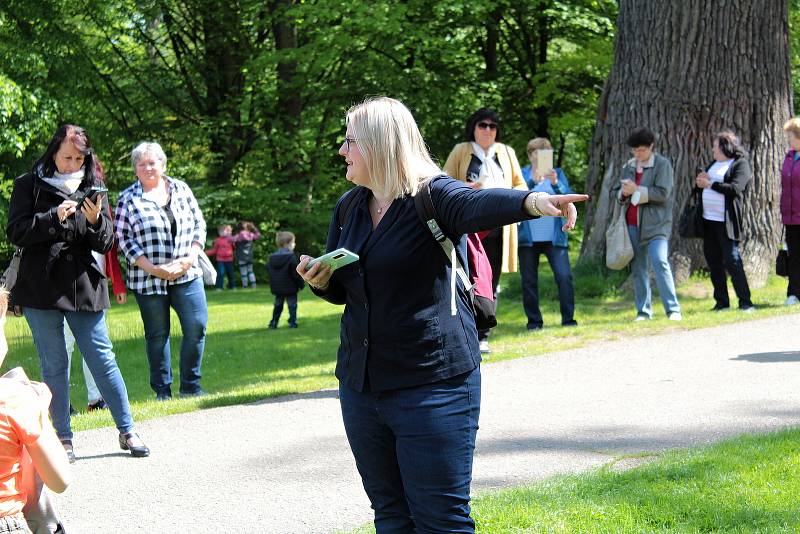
[(413, 448), (722, 254), (225, 268), (189, 302), (291, 301), (558, 257)]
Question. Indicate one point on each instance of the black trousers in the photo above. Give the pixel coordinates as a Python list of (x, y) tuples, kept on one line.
[(493, 245), (291, 300), (793, 247), (722, 254)]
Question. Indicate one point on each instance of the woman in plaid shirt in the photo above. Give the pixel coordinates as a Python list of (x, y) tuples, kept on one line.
[(161, 231)]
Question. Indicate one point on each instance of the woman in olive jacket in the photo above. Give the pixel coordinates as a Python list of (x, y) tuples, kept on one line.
[(59, 279), (723, 184)]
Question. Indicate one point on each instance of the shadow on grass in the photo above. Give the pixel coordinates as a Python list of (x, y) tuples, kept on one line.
[(770, 357)]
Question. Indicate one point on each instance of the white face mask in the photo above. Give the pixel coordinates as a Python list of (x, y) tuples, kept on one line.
[(77, 175)]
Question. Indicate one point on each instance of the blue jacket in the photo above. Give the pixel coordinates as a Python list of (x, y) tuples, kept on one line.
[(524, 235), (397, 330)]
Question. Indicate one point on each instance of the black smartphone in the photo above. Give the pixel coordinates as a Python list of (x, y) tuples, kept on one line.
[(92, 193)]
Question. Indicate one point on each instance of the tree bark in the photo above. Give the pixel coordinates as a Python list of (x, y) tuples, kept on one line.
[(688, 70)]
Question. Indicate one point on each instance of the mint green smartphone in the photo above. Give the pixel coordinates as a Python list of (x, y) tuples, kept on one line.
[(338, 258)]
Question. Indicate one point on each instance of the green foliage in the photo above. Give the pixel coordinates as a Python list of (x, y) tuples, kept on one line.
[(249, 103)]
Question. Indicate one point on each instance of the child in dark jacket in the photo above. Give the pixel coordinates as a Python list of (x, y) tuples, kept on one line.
[(284, 281)]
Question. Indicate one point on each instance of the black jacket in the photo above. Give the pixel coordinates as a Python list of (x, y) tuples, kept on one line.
[(397, 328), (57, 271), (733, 186), (283, 278)]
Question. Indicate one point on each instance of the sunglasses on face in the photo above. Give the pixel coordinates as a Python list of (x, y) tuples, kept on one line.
[(487, 126)]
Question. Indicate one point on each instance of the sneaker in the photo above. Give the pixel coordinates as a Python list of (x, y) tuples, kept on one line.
[(675, 316), (293, 325), (534, 327), (719, 308), (99, 404), (484, 346), (571, 322), (642, 317), (67, 444), (747, 308), (272, 326), (791, 301)]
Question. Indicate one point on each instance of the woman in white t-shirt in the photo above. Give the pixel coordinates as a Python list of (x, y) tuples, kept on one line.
[(724, 183)]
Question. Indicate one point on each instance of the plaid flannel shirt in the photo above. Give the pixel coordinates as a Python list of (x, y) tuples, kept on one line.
[(143, 229)]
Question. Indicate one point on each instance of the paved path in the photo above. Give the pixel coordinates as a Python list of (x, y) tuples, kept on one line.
[(283, 465)]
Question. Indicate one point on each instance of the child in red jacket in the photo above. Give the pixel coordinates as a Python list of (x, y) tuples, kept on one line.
[(222, 250)]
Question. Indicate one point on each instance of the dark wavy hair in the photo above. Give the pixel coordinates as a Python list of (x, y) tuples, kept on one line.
[(481, 115), (92, 166), (641, 137), (729, 144)]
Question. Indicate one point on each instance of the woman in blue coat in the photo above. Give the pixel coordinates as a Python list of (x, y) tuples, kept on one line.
[(408, 362)]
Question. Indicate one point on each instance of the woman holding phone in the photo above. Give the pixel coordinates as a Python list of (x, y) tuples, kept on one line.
[(59, 279), (409, 363)]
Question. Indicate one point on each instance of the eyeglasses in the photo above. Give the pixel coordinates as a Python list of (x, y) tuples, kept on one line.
[(487, 126), (347, 142)]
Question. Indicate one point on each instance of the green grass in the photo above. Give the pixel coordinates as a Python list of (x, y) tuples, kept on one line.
[(744, 485), (748, 484), (244, 361)]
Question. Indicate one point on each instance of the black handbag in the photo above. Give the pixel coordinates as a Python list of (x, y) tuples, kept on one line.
[(691, 224), (782, 260)]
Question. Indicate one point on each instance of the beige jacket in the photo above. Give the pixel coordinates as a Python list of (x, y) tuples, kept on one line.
[(456, 166)]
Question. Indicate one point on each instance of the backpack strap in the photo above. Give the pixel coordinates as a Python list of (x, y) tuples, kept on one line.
[(426, 212), (346, 206)]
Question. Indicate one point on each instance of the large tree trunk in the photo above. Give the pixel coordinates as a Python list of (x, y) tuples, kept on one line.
[(687, 70)]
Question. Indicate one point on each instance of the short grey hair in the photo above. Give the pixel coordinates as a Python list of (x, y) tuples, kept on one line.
[(153, 149)]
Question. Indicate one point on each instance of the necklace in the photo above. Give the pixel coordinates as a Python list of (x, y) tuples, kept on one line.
[(381, 208)]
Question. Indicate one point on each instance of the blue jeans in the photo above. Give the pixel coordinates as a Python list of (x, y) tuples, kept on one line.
[(413, 448), (91, 335), (655, 251), (225, 268), (189, 302), (558, 257), (722, 254)]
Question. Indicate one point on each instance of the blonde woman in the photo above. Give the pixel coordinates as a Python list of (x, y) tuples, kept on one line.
[(486, 163), (408, 366)]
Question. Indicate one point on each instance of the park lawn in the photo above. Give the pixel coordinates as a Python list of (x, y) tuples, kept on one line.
[(747, 484), (245, 362)]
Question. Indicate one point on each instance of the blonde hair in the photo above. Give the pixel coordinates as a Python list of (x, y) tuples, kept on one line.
[(283, 239), (793, 126), (3, 302), (538, 143), (392, 146)]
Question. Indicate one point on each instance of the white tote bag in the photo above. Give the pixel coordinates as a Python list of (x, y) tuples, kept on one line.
[(619, 250), (209, 272)]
